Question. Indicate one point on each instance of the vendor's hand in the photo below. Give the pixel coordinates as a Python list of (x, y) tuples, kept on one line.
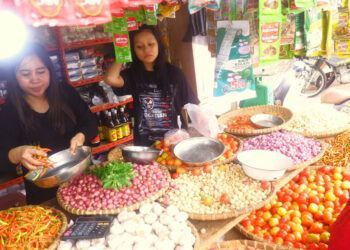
[(26, 157), (76, 141)]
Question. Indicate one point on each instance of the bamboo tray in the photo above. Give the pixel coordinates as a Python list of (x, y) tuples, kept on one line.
[(234, 212), (196, 235), (283, 111), (61, 215), (133, 207), (244, 245)]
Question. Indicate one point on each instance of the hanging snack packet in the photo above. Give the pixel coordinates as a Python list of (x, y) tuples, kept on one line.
[(288, 29), (286, 51), (228, 10), (52, 13), (150, 13), (305, 4), (341, 28), (313, 31), (241, 8), (233, 69), (299, 44), (121, 39), (196, 5), (92, 12), (342, 48), (269, 7), (269, 38), (252, 5)]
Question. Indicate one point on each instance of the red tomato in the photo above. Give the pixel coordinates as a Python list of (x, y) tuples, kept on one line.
[(344, 197), (302, 207), (322, 246), (327, 217), (337, 191), (314, 199), (316, 227), (290, 237), (246, 222), (318, 215), (207, 169), (196, 171), (282, 233), (181, 170), (288, 244), (286, 227), (174, 175), (265, 185), (268, 237), (225, 199), (260, 222), (306, 220)]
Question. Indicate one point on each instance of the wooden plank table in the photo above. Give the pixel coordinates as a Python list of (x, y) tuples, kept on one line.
[(213, 229)]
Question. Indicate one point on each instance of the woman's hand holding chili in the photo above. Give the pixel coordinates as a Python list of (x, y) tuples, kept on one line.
[(26, 157)]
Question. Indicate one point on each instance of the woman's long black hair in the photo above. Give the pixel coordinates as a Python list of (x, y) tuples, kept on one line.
[(161, 66), (54, 94)]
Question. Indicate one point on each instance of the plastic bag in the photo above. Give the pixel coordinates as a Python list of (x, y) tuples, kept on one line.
[(174, 136), (203, 120)]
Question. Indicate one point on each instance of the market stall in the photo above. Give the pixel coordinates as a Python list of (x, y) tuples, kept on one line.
[(196, 188)]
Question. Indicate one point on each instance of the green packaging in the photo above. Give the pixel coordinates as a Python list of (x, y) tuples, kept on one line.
[(150, 13), (299, 43), (269, 7), (286, 51), (121, 39), (313, 31), (269, 38)]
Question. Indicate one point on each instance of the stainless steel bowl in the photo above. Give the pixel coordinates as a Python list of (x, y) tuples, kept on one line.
[(198, 150), (66, 166), (266, 120), (140, 154)]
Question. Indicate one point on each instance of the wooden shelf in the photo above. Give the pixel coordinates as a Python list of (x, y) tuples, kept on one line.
[(105, 106), (86, 43), (110, 145), (86, 81)]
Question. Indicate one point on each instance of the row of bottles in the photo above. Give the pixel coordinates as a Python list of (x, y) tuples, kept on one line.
[(113, 125)]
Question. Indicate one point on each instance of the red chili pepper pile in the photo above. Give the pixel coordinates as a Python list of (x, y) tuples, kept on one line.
[(338, 153), (30, 228), (43, 159)]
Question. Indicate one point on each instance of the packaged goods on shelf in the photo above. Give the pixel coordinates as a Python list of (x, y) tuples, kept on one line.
[(72, 56), (111, 97), (90, 69), (87, 52), (90, 75), (73, 65), (74, 34), (45, 35), (74, 72), (75, 78), (86, 62)]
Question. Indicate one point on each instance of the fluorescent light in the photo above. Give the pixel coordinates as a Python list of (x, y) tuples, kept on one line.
[(13, 34)]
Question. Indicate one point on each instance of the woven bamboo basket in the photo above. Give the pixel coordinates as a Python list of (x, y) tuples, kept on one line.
[(252, 236), (196, 235), (311, 161), (216, 162), (234, 213), (133, 207), (116, 153), (283, 111), (244, 245), (63, 228), (269, 244)]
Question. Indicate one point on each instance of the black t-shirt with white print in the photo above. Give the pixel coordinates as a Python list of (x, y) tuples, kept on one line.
[(155, 112)]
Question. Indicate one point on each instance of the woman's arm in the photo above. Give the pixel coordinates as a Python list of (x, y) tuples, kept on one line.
[(24, 155), (113, 77)]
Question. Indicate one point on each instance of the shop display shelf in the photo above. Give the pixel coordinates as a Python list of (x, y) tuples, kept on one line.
[(86, 43), (2, 100), (86, 81), (105, 147), (10, 183), (105, 106)]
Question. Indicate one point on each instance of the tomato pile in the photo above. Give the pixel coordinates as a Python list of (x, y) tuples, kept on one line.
[(168, 158), (304, 209), (243, 122)]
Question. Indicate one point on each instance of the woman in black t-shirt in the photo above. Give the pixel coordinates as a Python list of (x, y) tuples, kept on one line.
[(40, 111), (159, 89)]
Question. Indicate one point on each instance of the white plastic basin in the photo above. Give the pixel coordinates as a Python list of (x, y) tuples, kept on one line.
[(264, 164)]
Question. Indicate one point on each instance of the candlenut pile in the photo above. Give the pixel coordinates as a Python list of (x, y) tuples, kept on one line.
[(317, 119), (188, 191), (153, 227)]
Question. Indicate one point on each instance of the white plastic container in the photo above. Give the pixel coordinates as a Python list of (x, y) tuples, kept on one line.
[(264, 164)]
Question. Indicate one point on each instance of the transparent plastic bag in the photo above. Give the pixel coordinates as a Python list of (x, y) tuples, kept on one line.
[(174, 136), (203, 120)]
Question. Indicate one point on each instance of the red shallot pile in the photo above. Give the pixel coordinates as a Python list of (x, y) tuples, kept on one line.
[(86, 192), (295, 146)]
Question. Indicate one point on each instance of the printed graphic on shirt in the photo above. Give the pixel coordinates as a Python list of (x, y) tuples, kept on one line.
[(156, 110)]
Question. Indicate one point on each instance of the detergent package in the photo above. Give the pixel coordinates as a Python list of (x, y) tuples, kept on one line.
[(233, 69)]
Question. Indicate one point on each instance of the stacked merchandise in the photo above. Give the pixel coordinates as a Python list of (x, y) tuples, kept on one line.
[(56, 64)]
